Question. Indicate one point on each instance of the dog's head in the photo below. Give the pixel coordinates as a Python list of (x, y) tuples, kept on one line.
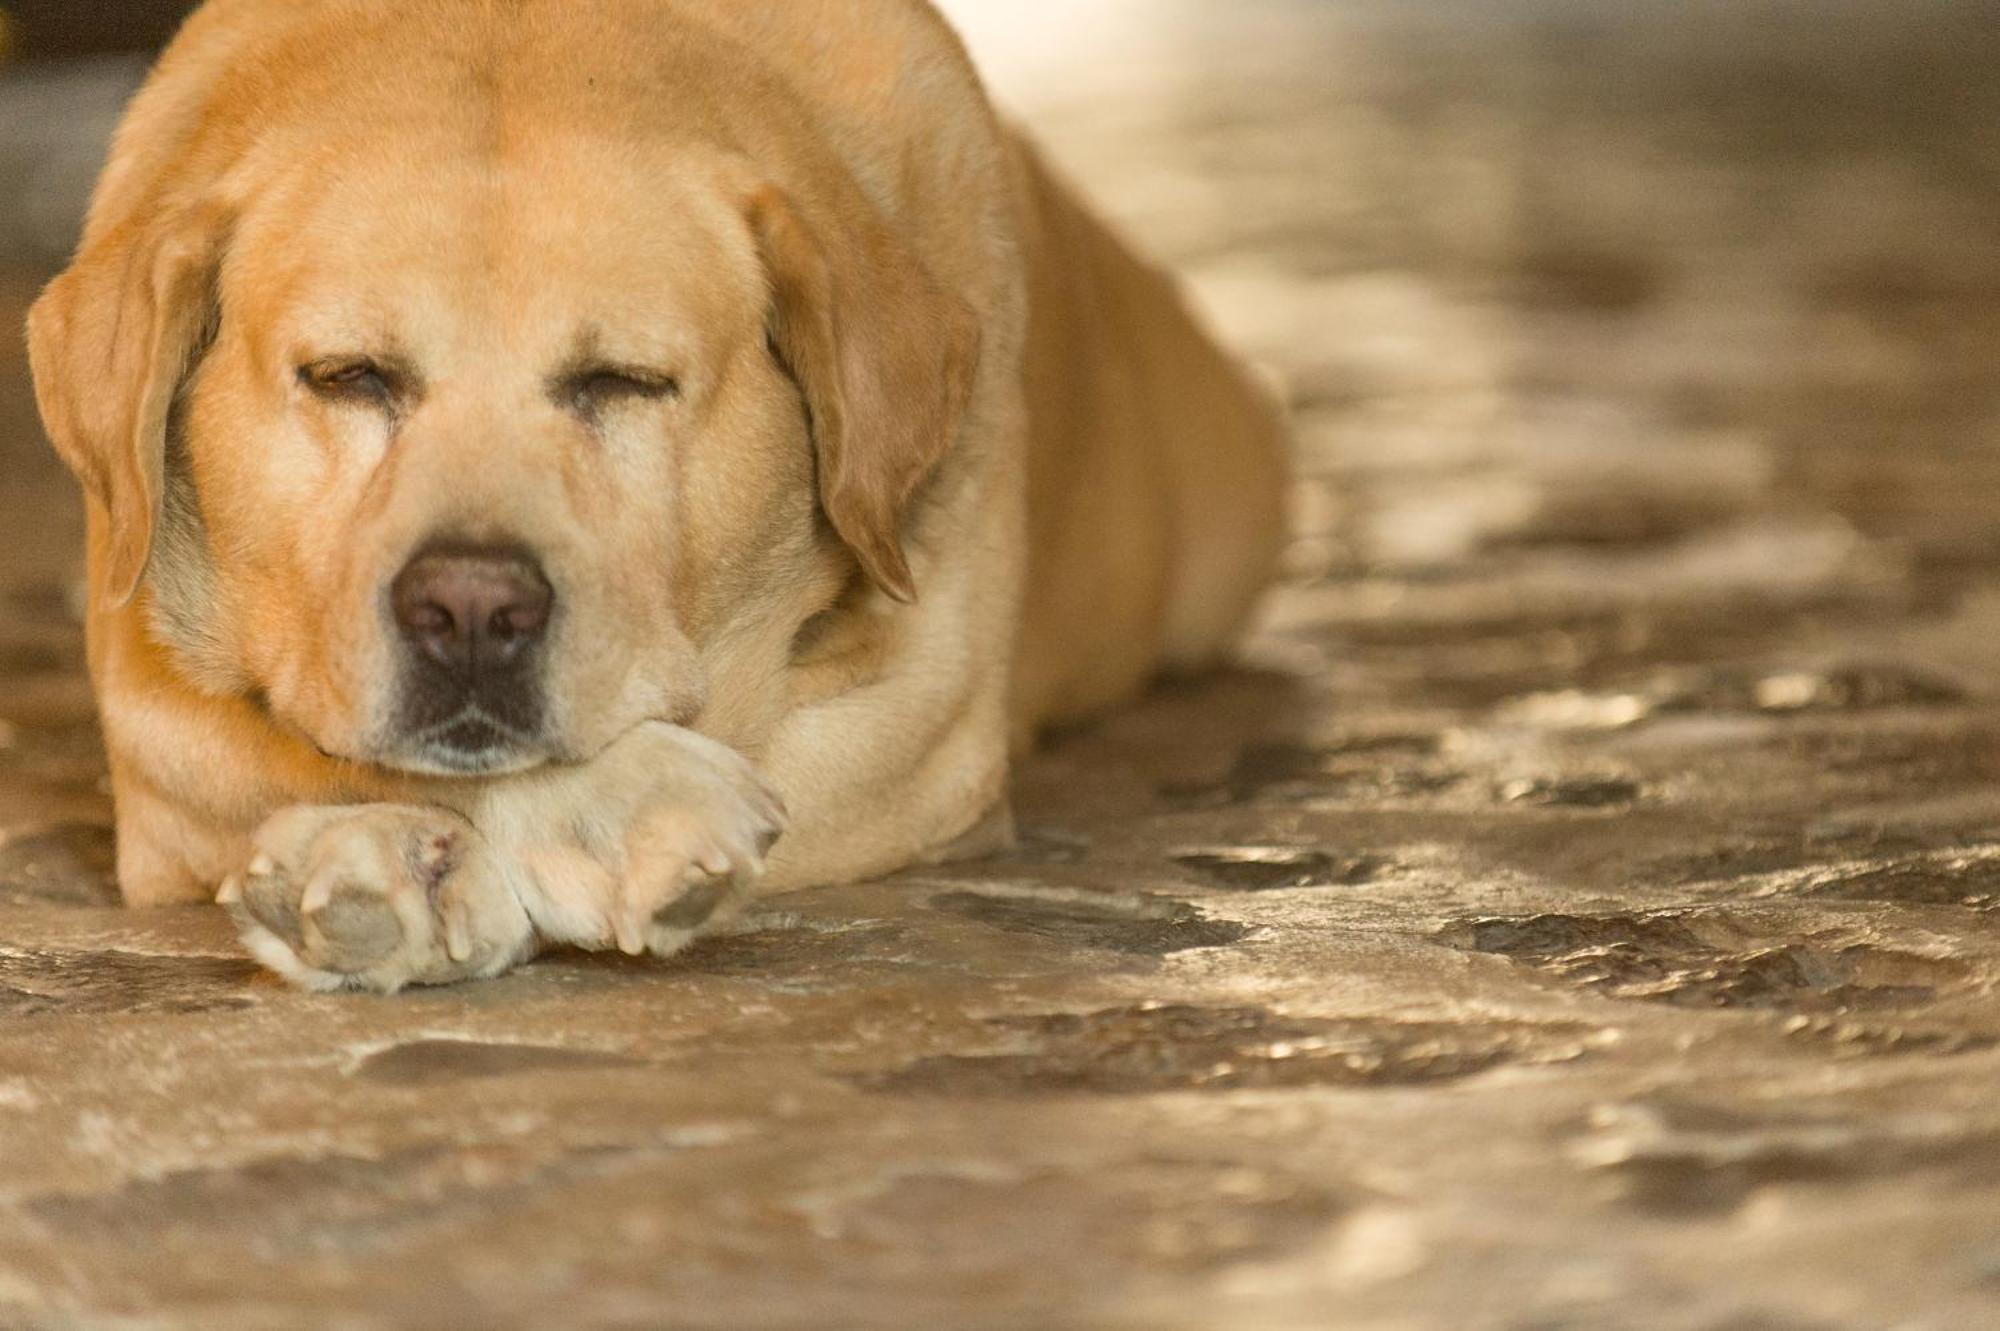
[(464, 447)]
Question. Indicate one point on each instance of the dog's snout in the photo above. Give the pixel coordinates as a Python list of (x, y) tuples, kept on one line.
[(471, 617), (472, 609)]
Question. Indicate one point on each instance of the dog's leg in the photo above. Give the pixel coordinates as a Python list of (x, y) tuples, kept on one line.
[(640, 849)]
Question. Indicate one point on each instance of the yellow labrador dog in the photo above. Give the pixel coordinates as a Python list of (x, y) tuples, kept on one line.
[(539, 452)]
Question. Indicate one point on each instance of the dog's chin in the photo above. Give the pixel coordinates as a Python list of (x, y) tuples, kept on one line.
[(469, 746), (473, 746), (465, 763)]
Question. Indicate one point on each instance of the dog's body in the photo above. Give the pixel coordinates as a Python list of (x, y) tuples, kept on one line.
[(522, 436)]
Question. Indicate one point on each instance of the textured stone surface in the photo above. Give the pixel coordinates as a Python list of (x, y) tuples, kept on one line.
[(1581, 909)]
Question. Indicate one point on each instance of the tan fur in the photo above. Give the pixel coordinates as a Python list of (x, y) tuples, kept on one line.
[(994, 475)]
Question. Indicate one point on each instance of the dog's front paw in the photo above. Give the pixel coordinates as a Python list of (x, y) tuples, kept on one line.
[(654, 841), (686, 859), (375, 897), (694, 845)]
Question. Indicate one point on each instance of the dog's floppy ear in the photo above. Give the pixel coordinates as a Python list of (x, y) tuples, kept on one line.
[(109, 342), (885, 356)]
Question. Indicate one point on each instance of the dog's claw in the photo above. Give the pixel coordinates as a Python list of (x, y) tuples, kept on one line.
[(319, 893)]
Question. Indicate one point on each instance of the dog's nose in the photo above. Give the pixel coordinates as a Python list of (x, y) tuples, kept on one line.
[(472, 609)]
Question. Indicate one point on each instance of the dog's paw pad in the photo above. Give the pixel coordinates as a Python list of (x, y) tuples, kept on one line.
[(350, 929), (694, 907)]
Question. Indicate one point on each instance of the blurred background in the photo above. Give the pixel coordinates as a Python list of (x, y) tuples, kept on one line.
[(1618, 769), (1536, 269)]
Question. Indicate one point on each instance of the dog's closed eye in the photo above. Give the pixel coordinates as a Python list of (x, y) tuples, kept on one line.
[(355, 379), (591, 390)]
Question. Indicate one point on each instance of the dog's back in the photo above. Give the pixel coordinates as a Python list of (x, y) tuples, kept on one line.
[(1156, 470)]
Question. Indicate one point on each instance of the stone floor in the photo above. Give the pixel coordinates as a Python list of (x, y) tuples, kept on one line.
[(1581, 909)]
